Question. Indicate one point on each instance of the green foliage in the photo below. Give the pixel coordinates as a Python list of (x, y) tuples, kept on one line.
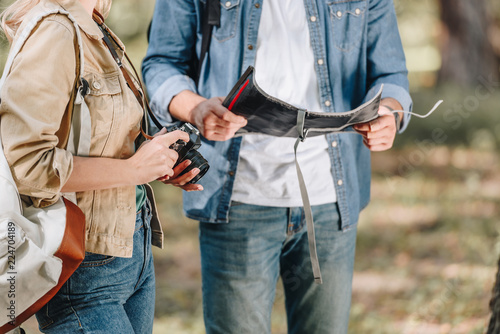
[(468, 117)]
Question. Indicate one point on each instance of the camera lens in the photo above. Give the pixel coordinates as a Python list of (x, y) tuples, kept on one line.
[(197, 161)]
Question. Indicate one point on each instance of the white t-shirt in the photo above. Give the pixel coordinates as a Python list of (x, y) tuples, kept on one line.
[(284, 68)]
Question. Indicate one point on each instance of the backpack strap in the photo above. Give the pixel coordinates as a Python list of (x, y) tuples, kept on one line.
[(210, 18), (80, 132), (26, 32), (107, 38)]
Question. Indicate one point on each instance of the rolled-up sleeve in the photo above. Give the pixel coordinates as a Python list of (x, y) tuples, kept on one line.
[(385, 56), (34, 101)]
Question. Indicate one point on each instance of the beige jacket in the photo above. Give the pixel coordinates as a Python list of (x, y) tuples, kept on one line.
[(35, 122)]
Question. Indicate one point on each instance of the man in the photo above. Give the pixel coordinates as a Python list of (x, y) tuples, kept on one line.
[(326, 56)]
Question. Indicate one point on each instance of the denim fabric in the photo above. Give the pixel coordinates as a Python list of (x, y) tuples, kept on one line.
[(107, 294), (241, 262), (356, 46)]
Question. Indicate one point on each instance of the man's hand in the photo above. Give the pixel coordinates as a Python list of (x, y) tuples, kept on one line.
[(379, 134), (214, 121)]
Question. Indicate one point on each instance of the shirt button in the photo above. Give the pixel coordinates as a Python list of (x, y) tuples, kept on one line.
[(328, 103), (320, 61), (357, 11), (257, 5), (231, 173), (228, 4), (340, 182), (96, 85), (250, 47), (334, 143), (313, 18), (339, 13)]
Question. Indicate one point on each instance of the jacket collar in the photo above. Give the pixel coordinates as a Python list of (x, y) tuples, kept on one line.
[(84, 20)]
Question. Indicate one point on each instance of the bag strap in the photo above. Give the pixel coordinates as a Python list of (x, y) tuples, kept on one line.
[(302, 135), (211, 18), (27, 32), (79, 136), (107, 37), (301, 114)]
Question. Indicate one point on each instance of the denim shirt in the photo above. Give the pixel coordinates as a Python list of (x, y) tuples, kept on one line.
[(357, 48)]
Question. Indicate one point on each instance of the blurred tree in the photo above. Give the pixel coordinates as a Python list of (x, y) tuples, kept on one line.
[(494, 325), (467, 51)]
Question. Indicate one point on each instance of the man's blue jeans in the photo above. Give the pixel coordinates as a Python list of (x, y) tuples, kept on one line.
[(242, 260), (107, 294)]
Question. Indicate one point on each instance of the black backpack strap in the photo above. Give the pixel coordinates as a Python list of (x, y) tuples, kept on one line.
[(211, 18)]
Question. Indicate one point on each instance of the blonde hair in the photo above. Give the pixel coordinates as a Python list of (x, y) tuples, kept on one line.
[(12, 17), (103, 7)]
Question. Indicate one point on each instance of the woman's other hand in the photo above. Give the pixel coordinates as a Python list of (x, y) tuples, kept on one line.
[(155, 159), (182, 180)]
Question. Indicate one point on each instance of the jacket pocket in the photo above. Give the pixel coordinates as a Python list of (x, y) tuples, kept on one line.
[(228, 18), (104, 102), (348, 20)]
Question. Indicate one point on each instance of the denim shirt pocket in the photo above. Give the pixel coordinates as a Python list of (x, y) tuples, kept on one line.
[(348, 19), (228, 19)]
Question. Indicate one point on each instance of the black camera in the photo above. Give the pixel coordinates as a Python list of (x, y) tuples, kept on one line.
[(187, 151)]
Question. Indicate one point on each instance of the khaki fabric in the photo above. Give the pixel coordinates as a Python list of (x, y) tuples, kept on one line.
[(35, 121)]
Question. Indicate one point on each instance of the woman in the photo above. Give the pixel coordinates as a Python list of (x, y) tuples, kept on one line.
[(113, 289)]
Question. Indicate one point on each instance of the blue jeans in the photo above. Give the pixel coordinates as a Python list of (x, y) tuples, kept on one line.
[(107, 294), (242, 260)]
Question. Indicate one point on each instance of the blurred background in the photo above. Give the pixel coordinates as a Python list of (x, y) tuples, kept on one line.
[(429, 241)]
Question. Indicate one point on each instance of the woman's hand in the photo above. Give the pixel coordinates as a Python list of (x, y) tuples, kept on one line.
[(182, 181), (155, 159)]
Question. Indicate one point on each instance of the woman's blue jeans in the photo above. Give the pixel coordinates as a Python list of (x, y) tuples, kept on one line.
[(242, 260), (107, 294)]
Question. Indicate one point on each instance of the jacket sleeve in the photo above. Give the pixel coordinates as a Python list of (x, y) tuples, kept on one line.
[(386, 62), (168, 61), (35, 98)]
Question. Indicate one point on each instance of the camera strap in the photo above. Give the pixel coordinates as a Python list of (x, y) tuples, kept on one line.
[(107, 37)]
